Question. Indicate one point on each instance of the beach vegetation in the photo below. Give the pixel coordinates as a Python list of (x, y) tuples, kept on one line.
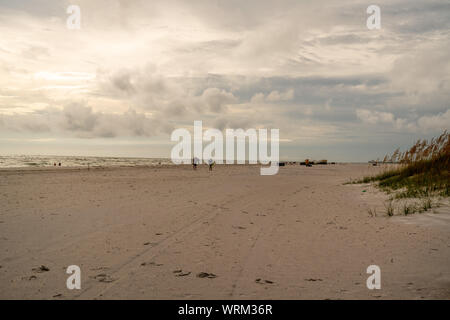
[(420, 172)]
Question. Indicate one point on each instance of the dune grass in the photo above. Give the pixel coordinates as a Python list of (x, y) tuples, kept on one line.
[(422, 178), (423, 170)]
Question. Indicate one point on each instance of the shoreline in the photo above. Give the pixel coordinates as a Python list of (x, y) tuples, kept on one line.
[(166, 165)]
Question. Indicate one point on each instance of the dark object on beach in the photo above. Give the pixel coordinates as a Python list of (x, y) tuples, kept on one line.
[(41, 269), (281, 164), (321, 162), (260, 281), (206, 275), (306, 163), (102, 277), (312, 279), (59, 164), (151, 263)]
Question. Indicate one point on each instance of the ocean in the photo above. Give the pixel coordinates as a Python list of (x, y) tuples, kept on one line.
[(21, 161)]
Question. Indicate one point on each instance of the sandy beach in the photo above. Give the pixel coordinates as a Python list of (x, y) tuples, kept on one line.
[(149, 232)]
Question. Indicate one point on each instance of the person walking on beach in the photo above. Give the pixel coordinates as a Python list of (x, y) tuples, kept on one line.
[(195, 162), (211, 164)]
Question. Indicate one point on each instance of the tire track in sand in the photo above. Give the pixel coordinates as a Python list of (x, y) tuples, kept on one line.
[(121, 273)]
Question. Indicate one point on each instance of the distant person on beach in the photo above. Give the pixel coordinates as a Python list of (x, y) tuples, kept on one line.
[(195, 162), (59, 164), (211, 164), (307, 163)]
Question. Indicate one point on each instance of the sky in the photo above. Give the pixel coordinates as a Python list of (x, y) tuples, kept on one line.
[(137, 70)]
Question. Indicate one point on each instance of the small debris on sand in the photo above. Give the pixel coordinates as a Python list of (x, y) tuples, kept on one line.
[(102, 277), (312, 279), (261, 281), (206, 275), (42, 268), (151, 263), (180, 273)]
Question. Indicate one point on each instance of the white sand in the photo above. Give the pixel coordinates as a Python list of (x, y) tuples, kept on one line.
[(302, 229)]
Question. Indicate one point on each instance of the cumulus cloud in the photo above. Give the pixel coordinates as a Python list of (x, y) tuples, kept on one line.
[(215, 99), (150, 90), (273, 96), (424, 124), (374, 117), (78, 120), (435, 122)]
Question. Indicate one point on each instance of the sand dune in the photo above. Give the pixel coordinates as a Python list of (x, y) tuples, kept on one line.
[(175, 233)]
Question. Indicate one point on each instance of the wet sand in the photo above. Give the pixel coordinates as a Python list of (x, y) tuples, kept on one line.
[(149, 233)]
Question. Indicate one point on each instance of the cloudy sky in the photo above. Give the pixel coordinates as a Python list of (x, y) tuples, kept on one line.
[(136, 70)]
